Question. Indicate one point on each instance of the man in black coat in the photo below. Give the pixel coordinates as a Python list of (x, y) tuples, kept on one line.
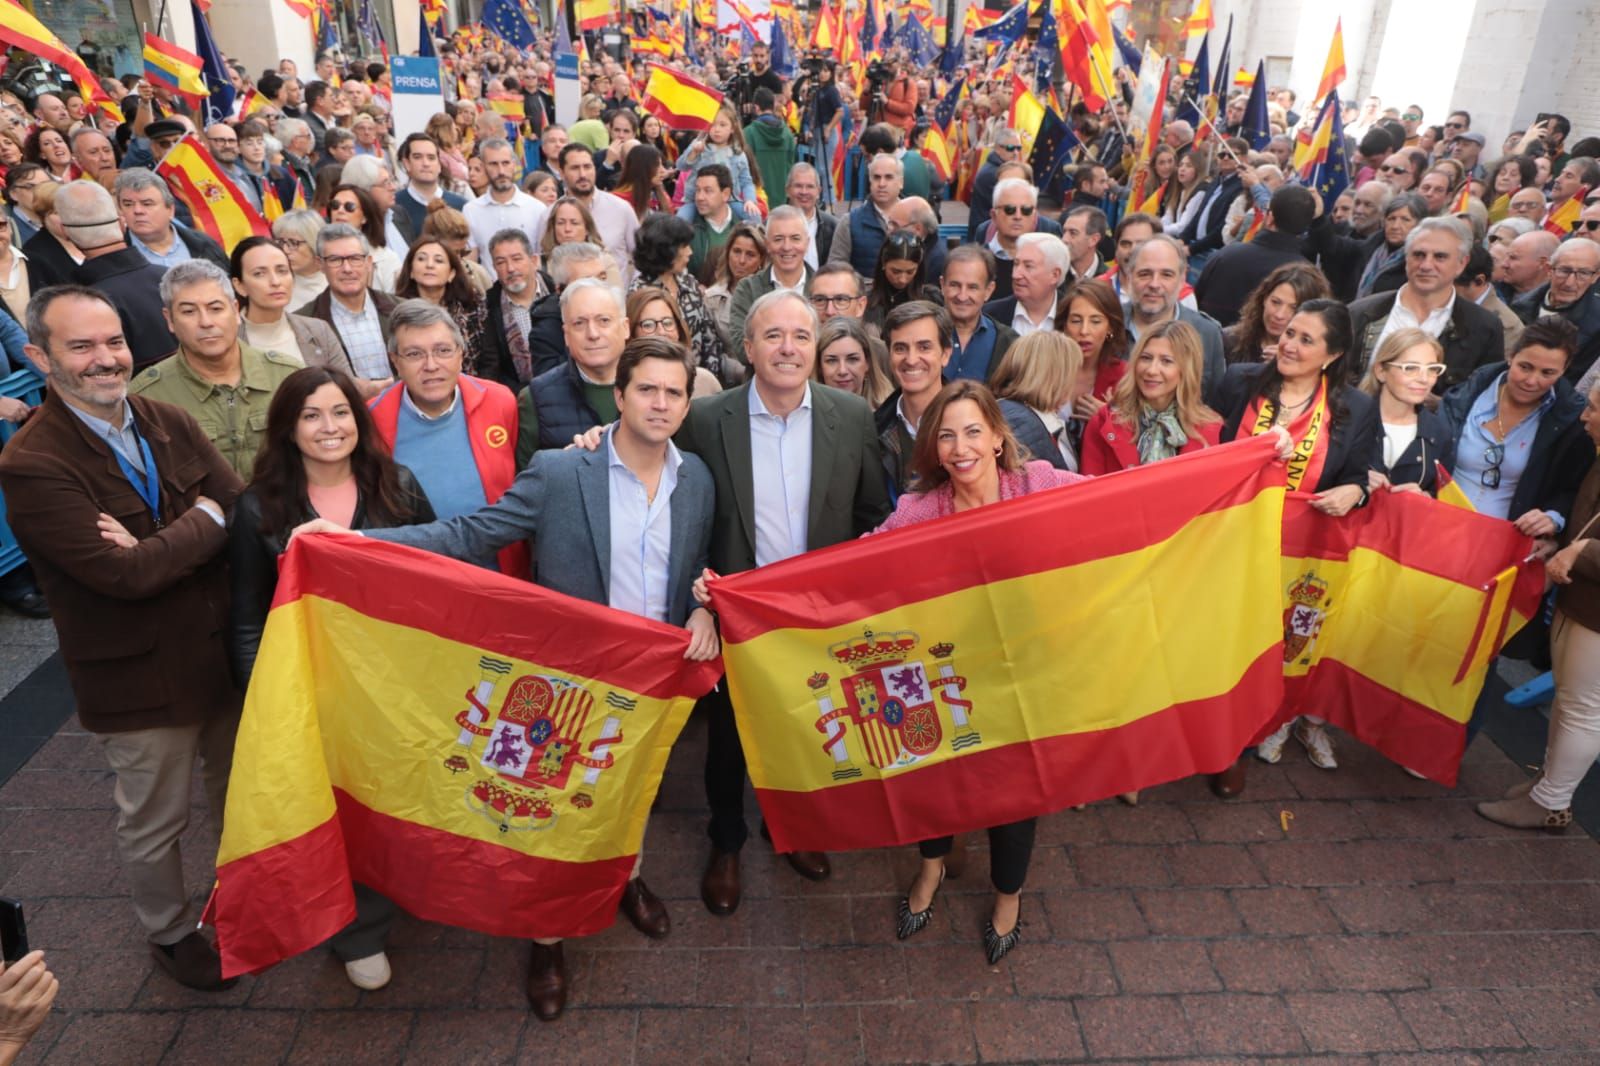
[(132, 283), (1436, 252), (514, 354), (1233, 273), (1570, 293), (1203, 234)]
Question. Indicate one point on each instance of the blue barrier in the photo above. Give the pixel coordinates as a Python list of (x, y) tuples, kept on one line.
[(1541, 689), (25, 385)]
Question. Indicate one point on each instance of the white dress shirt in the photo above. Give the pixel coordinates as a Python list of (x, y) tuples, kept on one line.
[(486, 217), (641, 535), (780, 460), (1025, 325), (811, 241), (1400, 317)]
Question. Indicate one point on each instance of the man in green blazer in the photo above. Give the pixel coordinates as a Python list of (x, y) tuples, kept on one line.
[(796, 467)]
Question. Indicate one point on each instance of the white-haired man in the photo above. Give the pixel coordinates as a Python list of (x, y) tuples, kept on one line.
[(1042, 262)]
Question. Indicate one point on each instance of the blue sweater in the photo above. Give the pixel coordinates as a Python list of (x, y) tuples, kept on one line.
[(438, 452)]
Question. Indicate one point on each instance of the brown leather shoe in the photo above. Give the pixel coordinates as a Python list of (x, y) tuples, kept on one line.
[(720, 885), (645, 910), (547, 982), (193, 962), (811, 865), (1230, 782)]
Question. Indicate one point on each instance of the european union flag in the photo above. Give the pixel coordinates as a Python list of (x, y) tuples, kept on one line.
[(1224, 81), (944, 112), (505, 18), (1198, 85), (1257, 127), (219, 105), (1008, 28), (371, 30), (1052, 146), (1047, 51), (782, 55), (425, 35), (919, 42), (1129, 53)]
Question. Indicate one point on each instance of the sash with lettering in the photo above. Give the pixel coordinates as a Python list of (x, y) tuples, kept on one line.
[(1310, 450)]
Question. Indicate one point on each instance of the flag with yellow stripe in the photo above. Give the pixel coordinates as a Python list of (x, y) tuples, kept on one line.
[(472, 746), (1391, 616), (953, 675), (219, 209)]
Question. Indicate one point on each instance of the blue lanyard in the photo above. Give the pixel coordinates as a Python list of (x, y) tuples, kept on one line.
[(148, 484)]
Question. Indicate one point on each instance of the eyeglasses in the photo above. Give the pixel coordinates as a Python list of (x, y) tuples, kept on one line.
[(1009, 147), (1414, 370), (1455, 125), (1494, 455), (1387, 169), (339, 262), (1016, 209), (344, 205), (838, 303), (1411, 118), (289, 244), (440, 354), (648, 326), (1590, 224), (1568, 273)]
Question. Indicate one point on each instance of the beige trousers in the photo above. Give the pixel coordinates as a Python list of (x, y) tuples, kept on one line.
[(1574, 714), (154, 768)]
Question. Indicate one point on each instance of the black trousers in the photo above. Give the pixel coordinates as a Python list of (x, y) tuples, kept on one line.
[(725, 771), (1010, 849)]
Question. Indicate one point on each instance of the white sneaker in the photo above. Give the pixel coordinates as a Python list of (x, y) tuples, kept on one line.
[(1415, 773), (1271, 749), (370, 973), (1319, 747)]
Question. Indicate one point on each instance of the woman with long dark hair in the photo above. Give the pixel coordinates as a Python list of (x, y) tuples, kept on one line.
[(1334, 442), (434, 273), (1268, 309), (900, 277), (642, 180), (321, 458)]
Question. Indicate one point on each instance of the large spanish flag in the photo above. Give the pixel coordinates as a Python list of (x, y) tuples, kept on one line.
[(595, 14), (1012, 660), (679, 101), (220, 210), (1392, 615), (480, 750)]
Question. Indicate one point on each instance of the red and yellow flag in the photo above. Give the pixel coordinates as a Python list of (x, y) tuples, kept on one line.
[(19, 28), (1333, 70), (176, 68), (936, 148), (1391, 617), (252, 103), (220, 210), (679, 101), (911, 700), (595, 14), (1561, 219), (1199, 21), (470, 745)]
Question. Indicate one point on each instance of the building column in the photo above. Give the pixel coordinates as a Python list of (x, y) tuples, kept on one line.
[(259, 34), (1523, 57)]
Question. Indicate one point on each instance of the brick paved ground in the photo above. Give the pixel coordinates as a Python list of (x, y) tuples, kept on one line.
[(1389, 924)]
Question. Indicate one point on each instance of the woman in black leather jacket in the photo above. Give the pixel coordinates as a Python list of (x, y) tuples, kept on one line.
[(321, 458)]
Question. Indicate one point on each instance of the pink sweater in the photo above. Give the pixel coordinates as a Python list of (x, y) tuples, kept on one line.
[(916, 507)]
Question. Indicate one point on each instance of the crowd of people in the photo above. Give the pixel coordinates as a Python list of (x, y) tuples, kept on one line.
[(468, 337)]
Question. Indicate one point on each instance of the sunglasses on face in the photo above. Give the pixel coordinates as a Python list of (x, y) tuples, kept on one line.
[(1016, 209), (1590, 224), (344, 205)]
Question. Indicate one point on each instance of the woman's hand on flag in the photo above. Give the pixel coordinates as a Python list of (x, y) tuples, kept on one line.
[(317, 525)]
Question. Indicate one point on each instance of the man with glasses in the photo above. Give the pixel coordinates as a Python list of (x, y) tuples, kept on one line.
[(835, 292), (1016, 212), (146, 207), (1570, 293), (1528, 203), (223, 143), (1436, 253), (357, 312), (1411, 119), (224, 384), (1398, 170), (22, 180), (1007, 149), (1458, 123), (859, 239)]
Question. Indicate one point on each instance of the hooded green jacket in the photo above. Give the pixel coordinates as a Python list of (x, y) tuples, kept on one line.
[(770, 143)]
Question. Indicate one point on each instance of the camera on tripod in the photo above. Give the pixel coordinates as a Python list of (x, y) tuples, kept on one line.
[(879, 72)]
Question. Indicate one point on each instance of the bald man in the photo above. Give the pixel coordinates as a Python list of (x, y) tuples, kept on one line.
[(1526, 267), (916, 214), (131, 281)]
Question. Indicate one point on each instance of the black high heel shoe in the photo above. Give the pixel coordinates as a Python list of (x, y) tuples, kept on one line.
[(909, 923), (996, 946)]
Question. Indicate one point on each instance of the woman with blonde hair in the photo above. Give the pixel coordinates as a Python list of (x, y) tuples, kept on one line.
[(1155, 411), (1412, 440), (851, 359), (1035, 379), (296, 233)]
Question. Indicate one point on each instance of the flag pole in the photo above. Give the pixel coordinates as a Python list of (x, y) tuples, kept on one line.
[(1222, 138)]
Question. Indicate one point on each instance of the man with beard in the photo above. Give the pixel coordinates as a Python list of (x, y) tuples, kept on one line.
[(503, 205)]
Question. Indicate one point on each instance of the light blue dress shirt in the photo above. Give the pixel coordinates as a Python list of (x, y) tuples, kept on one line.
[(641, 535), (1473, 448), (780, 460), (177, 253)]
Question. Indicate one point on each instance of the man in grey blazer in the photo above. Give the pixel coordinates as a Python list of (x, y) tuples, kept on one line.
[(796, 468), (1152, 284), (629, 525)]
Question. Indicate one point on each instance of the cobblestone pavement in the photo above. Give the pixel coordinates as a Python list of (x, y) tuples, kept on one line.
[(1354, 916)]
